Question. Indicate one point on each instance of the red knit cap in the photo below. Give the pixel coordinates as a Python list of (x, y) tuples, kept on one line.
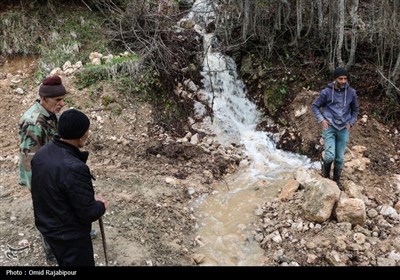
[(52, 87)]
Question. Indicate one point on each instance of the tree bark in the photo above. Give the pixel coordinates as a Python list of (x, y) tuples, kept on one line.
[(353, 45), (299, 18), (320, 18), (246, 19), (340, 34)]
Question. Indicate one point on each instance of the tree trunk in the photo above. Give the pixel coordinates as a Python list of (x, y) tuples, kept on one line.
[(340, 34), (278, 18), (299, 19), (246, 19), (331, 36), (354, 21), (320, 18)]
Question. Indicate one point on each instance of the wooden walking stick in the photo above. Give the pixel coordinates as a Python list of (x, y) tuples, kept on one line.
[(103, 237)]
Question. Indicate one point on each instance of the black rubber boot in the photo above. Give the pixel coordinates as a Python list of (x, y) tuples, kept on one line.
[(337, 172), (326, 170)]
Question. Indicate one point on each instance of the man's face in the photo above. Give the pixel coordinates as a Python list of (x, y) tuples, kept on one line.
[(82, 140), (53, 104), (341, 81)]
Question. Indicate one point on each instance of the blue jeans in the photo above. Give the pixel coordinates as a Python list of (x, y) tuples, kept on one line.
[(335, 142)]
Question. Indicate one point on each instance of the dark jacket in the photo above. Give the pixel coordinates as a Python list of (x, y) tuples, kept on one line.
[(62, 192), (339, 106)]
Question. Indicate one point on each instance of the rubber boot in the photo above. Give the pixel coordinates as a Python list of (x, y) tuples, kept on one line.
[(326, 170), (337, 172)]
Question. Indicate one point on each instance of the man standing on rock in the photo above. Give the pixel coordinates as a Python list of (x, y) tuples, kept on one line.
[(62, 192), (340, 108)]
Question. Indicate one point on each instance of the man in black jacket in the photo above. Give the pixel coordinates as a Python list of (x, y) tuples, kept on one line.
[(64, 203)]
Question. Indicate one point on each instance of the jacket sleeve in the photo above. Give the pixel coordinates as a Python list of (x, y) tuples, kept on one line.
[(31, 139), (79, 190), (317, 104), (355, 108)]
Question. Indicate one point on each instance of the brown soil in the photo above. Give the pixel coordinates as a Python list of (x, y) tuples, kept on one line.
[(149, 221)]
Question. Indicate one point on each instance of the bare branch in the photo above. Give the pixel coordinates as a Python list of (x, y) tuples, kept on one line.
[(90, 9), (388, 80)]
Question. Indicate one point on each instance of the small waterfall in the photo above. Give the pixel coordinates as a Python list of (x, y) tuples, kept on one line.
[(226, 215), (235, 116)]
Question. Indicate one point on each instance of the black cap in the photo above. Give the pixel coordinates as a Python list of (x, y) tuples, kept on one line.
[(73, 124), (340, 71)]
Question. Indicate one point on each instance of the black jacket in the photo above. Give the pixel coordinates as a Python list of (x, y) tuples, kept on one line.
[(62, 192)]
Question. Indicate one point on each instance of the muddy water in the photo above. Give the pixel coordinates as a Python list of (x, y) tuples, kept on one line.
[(225, 234), (225, 230)]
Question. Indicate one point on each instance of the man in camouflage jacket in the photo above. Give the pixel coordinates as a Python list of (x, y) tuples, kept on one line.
[(38, 124)]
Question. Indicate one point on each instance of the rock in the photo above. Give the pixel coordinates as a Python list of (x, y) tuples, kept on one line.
[(194, 139), (274, 236), (171, 181), (96, 61), (385, 262), (359, 238), (394, 256), (301, 111), (289, 189), (198, 258), (311, 258), (259, 211), (387, 210), (320, 198), (259, 237), (353, 191), (94, 55), (336, 259), (341, 243), (397, 206), (19, 91), (372, 213), (351, 210), (364, 119)]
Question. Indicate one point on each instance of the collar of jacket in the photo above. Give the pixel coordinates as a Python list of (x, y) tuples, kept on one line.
[(47, 114), (83, 156), (338, 89)]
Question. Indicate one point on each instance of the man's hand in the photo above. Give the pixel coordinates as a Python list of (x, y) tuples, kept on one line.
[(325, 124), (348, 126), (100, 198)]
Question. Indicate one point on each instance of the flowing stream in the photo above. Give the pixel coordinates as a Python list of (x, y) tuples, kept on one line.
[(226, 218)]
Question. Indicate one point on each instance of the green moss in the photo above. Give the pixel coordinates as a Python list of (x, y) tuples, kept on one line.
[(90, 75), (274, 98), (107, 100), (56, 32), (117, 68), (68, 100), (73, 38)]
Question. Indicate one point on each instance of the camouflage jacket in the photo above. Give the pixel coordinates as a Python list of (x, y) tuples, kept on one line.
[(36, 127)]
